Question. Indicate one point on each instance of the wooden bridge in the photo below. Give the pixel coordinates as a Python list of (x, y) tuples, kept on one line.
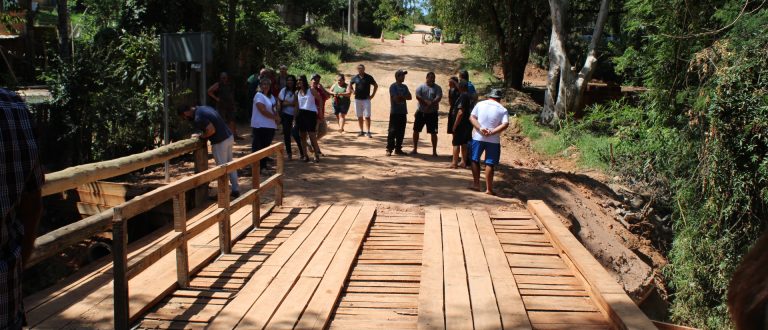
[(270, 266)]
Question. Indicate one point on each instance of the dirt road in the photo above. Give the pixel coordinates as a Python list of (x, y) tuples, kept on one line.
[(356, 168)]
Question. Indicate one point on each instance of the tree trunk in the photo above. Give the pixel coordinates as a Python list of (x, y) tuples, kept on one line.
[(548, 115), (231, 36), (65, 45), (30, 37), (590, 62), (555, 107), (570, 87)]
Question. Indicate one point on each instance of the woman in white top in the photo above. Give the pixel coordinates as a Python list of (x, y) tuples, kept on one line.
[(264, 118), (306, 119), (288, 103)]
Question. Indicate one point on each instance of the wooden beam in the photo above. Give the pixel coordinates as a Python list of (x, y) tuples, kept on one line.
[(280, 170), (297, 298), (318, 311), (244, 199), (231, 315), (431, 300), (255, 184), (53, 242), (73, 177), (205, 223), (180, 226), (485, 311), (511, 307), (225, 230), (458, 311), (201, 165), (273, 295), (607, 293), (150, 200), (120, 269), (142, 261), (253, 158)]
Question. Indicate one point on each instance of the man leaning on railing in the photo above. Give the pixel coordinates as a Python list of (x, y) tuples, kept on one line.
[(214, 129)]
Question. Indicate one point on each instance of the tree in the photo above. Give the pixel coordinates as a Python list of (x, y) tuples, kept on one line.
[(565, 89), (388, 15), (65, 45), (510, 25), (30, 35)]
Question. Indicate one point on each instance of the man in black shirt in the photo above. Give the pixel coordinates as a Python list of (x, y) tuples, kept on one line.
[(462, 128), (361, 87)]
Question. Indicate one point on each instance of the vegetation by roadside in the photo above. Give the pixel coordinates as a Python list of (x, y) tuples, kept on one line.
[(589, 150)]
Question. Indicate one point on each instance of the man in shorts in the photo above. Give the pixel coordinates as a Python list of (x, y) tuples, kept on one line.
[(361, 87), (489, 118), (429, 95)]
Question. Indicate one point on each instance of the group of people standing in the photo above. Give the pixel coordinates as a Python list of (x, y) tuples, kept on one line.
[(475, 126), (297, 104)]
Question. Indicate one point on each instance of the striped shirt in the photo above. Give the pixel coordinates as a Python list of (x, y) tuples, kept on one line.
[(19, 173)]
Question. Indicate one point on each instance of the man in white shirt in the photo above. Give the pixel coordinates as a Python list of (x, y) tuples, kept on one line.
[(489, 118)]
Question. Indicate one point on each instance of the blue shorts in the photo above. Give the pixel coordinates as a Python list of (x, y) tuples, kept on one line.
[(492, 151)]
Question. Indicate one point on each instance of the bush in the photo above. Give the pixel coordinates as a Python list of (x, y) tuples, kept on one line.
[(704, 146), (108, 103)]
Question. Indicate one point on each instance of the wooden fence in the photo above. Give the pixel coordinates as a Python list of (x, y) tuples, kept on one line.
[(55, 241), (125, 269)]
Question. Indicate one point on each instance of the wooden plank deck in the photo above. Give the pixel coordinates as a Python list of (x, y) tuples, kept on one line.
[(353, 267), (383, 288), (84, 300), (216, 284)]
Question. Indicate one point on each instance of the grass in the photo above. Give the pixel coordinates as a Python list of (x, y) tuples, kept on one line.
[(325, 60), (340, 41), (592, 151)]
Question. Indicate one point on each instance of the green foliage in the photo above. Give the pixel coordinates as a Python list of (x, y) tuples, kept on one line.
[(108, 103), (591, 149), (703, 139), (339, 42), (478, 53), (393, 19)]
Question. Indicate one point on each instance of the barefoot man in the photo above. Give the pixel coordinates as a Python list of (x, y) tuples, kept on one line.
[(489, 118)]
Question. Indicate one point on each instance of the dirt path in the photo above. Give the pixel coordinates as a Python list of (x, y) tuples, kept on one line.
[(356, 169)]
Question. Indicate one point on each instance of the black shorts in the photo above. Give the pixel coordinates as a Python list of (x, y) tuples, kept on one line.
[(462, 135), (340, 108), (306, 121), (429, 119)]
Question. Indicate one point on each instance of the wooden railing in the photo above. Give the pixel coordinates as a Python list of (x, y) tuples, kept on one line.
[(125, 269), (55, 241)]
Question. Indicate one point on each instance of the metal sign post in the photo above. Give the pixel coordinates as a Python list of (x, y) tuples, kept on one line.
[(191, 47)]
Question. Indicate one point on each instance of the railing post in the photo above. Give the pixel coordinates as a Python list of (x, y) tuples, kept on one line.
[(120, 269), (201, 164), (180, 226), (256, 185), (280, 170), (224, 228)]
